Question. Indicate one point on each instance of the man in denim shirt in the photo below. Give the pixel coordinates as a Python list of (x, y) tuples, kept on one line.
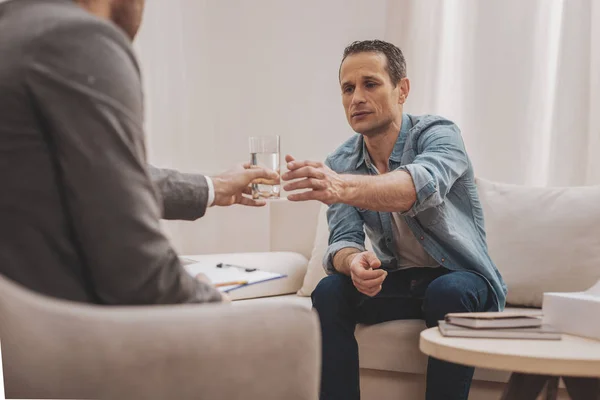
[(408, 182)]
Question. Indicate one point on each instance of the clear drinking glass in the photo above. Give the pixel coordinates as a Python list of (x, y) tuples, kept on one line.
[(264, 152)]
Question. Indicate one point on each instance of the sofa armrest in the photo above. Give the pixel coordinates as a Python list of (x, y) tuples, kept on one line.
[(55, 349)]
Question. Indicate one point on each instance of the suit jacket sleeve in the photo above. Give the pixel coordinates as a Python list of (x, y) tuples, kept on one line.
[(84, 82), (184, 196)]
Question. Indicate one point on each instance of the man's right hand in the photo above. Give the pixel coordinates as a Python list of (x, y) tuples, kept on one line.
[(366, 276), (231, 186)]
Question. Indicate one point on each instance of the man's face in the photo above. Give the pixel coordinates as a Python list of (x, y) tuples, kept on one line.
[(371, 101), (127, 14)]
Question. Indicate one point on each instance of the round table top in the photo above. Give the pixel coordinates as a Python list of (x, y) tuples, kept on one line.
[(570, 356)]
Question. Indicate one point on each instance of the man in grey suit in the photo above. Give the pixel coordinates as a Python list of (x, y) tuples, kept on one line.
[(79, 214)]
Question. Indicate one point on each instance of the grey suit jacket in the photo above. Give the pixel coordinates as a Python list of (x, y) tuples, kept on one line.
[(79, 215), (184, 196)]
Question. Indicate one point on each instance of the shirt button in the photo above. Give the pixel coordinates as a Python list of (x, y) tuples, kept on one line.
[(421, 238), (443, 259)]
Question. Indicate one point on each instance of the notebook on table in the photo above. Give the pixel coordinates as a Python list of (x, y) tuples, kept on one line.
[(486, 320), (541, 332), (228, 277)]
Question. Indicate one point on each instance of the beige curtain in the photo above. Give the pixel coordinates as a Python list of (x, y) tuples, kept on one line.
[(520, 77)]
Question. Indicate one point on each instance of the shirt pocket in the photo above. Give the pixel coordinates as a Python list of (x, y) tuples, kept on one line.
[(431, 216)]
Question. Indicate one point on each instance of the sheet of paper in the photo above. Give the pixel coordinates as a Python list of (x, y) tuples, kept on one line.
[(229, 274)]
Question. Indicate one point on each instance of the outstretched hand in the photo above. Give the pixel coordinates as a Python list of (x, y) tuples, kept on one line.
[(231, 186), (326, 185)]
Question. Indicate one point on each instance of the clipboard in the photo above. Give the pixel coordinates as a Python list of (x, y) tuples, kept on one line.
[(221, 273)]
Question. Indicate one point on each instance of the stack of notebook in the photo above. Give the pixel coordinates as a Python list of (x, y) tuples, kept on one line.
[(504, 325)]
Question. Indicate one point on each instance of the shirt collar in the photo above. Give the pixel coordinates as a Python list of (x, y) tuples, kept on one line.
[(363, 154)]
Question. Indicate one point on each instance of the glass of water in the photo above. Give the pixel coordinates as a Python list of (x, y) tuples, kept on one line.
[(264, 152)]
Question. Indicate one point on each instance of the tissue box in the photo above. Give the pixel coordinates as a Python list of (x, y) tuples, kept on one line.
[(574, 313)]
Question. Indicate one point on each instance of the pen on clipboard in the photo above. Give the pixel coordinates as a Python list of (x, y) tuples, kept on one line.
[(247, 269), (232, 283)]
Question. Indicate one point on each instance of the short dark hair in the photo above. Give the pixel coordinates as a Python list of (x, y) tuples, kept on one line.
[(396, 64)]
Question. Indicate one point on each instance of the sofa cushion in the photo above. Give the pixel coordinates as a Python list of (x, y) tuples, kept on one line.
[(390, 346), (291, 264), (288, 299), (542, 239)]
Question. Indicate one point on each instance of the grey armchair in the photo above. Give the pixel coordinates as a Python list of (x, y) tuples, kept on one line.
[(58, 349)]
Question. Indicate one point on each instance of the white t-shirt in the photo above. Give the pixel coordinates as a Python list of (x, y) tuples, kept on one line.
[(410, 251)]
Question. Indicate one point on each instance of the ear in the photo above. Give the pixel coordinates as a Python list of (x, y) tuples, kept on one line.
[(404, 89)]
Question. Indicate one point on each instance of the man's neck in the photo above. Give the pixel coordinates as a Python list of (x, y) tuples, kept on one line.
[(381, 146)]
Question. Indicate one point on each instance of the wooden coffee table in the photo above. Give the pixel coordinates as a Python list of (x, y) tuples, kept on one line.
[(534, 363)]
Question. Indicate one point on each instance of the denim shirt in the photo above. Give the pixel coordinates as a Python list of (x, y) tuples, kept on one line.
[(446, 217)]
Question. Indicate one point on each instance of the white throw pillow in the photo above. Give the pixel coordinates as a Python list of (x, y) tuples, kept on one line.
[(315, 271), (542, 239)]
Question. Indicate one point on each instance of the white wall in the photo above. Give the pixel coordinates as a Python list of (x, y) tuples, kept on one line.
[(217, 72)]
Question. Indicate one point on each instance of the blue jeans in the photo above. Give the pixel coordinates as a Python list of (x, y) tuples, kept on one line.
[(416, 293)]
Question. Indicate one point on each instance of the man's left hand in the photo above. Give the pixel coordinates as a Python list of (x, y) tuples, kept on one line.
[(326, 185)]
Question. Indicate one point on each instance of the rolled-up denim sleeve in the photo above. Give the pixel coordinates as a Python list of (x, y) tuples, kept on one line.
[(441, 161), (345, 230)]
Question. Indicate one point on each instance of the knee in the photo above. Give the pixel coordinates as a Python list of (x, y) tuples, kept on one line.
[(454, 292), (332, 293), (444, 293)]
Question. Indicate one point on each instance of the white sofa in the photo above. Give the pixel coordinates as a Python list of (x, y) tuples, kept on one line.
[(542, 239)]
